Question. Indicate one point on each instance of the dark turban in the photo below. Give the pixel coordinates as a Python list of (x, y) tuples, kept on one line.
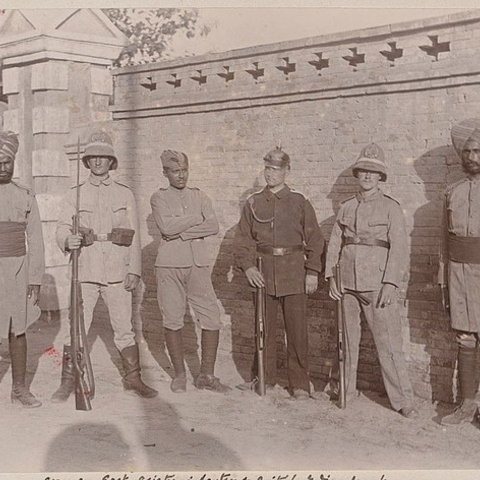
[(8, 144)]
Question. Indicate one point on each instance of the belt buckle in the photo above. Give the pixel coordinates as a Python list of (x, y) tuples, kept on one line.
[(356, 240), (102, 237), (278, 252)]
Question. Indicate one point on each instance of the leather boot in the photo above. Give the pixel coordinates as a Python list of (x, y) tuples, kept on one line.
[(67, 382), (206, 379), (174, 342), (18, 353), (132, 380), (468, 382)]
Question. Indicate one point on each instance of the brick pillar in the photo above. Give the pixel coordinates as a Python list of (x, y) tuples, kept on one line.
[(56, 78)]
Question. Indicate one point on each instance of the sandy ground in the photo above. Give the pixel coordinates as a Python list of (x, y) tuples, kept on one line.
[(205, 431)]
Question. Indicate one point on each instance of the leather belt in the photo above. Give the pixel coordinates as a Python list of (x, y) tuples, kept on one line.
[(102, 237), (280, 251), (373, 242)]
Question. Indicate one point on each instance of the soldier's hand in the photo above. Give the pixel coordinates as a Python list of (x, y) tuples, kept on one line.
[(311, 283), (254, 277), (334, 292), (73, 242), (386, 296), (34, 290), (445, 298), (131, 282)]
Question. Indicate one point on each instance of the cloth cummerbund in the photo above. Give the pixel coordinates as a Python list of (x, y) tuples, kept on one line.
[(463, 249), (12, 239), (373, 242), (280, 251)]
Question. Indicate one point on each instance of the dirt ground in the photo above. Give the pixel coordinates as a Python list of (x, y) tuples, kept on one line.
[(205, 431)]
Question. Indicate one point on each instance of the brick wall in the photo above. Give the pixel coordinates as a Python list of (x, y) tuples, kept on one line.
[(323, 99)]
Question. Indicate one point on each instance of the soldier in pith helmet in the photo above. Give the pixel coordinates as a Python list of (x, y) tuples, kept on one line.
[(459, 274), (22, 265), (282, 225), (369, 242), (110, 260)]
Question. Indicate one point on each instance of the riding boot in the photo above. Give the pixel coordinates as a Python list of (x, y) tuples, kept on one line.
[(468, 382), (67, 382), (132, 380), (18, 354), (174, 342), (206, 379)]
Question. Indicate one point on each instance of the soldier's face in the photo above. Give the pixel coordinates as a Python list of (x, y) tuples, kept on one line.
[(99, 166), (177, 176), (275, 176), (6, 169), (471, 157), (368, 180)]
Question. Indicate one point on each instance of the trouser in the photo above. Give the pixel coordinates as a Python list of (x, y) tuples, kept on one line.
[(119, 304), (177, 285), (386, 329), (294, 315), (468, 363)]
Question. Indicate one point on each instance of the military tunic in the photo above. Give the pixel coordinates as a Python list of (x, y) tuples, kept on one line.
[(103, 266), (282, 219), (185, 217), (366, 268), (17, 204), (462, 212)]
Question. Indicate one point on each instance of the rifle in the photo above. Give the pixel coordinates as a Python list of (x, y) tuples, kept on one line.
[(84, 390), (260, 333), (341, 340), (342, 392)]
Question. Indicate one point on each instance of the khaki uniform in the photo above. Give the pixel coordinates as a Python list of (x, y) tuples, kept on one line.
[(18, 205), (282, 219), (185, 217), (365, 268), (104, 265), (462, 212)]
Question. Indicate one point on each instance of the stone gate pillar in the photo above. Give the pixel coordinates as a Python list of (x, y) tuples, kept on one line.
[(55, 74)]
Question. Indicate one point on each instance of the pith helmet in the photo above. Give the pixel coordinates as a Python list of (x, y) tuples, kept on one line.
[(277, 158), (100, 145), (464, 131), (372, 159)]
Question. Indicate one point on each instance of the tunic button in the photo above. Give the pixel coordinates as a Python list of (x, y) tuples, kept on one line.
[(356, 240)]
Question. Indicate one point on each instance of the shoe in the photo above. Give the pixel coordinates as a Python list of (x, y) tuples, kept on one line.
[(465, 413), (23, 396), (179, 383), (409, 412), (210, 382), (247, 386), (299, 394)]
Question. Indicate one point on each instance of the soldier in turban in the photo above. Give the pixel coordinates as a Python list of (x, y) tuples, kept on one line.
[(459, 274), (369, 242), (21, 265), (185, 217)]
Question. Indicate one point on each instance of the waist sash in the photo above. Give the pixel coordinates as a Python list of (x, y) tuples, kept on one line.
[(12, 239), (463, 249)]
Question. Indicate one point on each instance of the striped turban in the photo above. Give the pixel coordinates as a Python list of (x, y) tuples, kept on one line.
[(171, 158), (8, 144), (465, 131)]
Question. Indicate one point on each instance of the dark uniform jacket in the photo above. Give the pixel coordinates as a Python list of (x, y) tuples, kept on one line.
[(282, 219)]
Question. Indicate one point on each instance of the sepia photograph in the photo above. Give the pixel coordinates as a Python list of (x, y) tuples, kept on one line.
[(238, 241)]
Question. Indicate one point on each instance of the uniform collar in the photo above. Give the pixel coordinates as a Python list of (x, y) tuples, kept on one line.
[(177, 191), (369, 198), (280, 194), (473, 179), (96, 181)]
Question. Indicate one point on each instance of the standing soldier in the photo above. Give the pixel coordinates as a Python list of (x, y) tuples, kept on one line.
[(109, 262), (282, 225), (370, 244), (185, 217), (459, 273), (22, 265)]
